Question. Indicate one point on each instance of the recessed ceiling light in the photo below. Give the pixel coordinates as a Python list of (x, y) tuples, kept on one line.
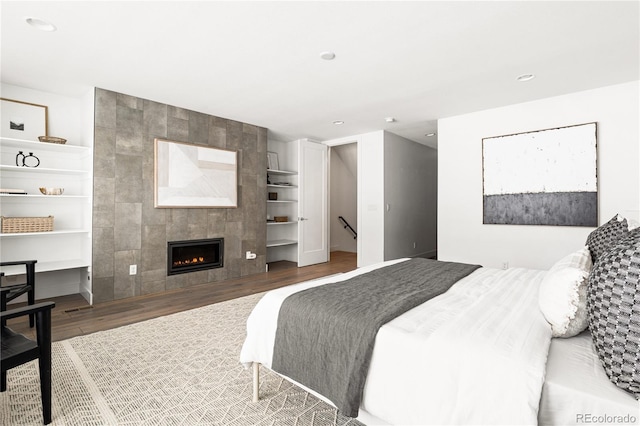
[(40, 24), (429, 135), (525, 77), (389, 119), (338, 122), (327, 56)]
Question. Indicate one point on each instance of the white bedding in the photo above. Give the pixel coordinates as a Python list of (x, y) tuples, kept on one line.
[(577, 390), (474, 355)]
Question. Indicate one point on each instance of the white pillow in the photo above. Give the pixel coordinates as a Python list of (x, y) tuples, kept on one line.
[(632, 224), (563, 294)]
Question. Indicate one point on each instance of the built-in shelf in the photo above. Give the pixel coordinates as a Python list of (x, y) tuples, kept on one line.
[(44, 233), (274, 185), (279, 243), (42, 197), (26, 145), (47, 266), (16, 169), (66, 250), (282, 236), (280, 172)]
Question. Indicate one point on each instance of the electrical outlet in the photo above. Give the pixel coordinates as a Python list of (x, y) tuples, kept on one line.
[(414, 244), (133, 269), (505, 265)]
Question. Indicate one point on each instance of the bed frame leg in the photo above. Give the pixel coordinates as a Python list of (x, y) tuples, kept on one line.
[(256, 381)]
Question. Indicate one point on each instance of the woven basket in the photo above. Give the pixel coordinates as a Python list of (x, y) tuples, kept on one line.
[(26, 224), (52, 139)]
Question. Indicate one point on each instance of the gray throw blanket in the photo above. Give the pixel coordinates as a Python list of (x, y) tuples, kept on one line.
[(325, 334)]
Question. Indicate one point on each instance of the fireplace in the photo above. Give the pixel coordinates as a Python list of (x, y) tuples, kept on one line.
[(194, 255)]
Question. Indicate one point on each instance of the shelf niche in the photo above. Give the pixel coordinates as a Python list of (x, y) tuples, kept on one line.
[(282, 236)]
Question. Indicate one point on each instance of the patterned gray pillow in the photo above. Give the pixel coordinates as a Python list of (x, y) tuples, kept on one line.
[(606, 235), (613, 306)]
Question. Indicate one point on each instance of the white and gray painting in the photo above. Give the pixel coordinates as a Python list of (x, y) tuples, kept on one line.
[(195, 176), (546, 177)]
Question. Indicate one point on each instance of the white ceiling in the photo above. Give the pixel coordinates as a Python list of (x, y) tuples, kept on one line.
[(258, 62)]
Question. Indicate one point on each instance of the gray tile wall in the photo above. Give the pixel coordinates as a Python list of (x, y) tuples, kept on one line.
[(127, 229)]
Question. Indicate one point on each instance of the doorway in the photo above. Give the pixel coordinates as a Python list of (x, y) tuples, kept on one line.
[(343, 198)]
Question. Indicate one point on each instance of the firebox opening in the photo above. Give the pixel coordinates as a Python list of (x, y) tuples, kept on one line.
[(194, 255)]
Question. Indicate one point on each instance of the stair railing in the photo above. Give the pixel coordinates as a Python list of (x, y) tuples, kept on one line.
[(346, 225)]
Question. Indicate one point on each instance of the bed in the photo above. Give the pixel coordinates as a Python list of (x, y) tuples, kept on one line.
[(480, 353)]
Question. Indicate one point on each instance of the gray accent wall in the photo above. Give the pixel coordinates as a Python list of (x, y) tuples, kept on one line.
[(411, 198), (128, 230)]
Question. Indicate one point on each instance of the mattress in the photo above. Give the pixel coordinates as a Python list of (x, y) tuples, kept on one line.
[(577, 391)]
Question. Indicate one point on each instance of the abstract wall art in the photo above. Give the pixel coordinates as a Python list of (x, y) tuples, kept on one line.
[(196, 176), (543, 177)]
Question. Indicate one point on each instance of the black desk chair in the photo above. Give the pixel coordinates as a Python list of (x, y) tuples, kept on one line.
[(16, 290), (18, 349)]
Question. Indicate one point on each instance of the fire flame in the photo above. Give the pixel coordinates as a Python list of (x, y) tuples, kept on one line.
[(193, 261)]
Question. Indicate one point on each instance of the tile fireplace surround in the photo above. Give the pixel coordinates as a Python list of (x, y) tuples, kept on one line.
[(128, 230)]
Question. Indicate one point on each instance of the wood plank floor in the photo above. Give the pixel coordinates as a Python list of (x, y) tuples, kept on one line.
[(73, 316)]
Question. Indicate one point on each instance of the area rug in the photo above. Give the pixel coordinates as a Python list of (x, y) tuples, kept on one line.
[(181, 369)]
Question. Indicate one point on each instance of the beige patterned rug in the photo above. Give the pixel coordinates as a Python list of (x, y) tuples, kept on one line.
[(180, 369)]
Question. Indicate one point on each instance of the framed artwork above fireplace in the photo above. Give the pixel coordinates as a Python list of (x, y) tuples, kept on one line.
[(194, 176)]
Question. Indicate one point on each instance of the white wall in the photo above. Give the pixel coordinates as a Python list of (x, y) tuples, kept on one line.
[(370, 198), (343, 197), (67, 116), (410, 193), (462, 236)]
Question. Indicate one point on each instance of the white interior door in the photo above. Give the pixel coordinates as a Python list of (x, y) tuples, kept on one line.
[(312, 203)]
